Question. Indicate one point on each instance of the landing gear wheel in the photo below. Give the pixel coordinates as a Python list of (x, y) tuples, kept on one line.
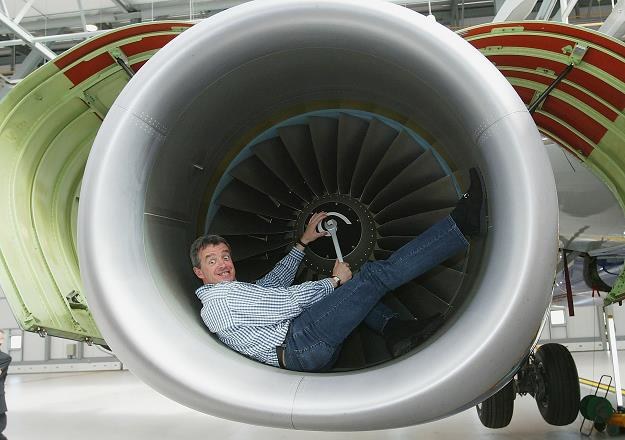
[(557, 394), (599, 426), (496, 411)]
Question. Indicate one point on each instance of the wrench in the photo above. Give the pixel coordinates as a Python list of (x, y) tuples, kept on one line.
[(331, 228)]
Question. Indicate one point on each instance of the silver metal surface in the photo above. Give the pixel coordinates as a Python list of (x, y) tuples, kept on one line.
[(514, 10), (331, 227), (614, 25), (235, 71), (614, 357)]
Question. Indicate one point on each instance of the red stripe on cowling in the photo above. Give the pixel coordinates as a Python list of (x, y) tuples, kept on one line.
[(549, 125), (586, 125), (84, 70), (525, 93), (606, 62), (106, 39), (585, 80), (566, 88), (136, 66), (146, 44)]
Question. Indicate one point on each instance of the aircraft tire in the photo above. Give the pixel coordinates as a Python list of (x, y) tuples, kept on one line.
[(558, 402), (496, 411)]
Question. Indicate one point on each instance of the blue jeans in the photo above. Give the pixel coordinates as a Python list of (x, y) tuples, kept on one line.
[(314, 339)]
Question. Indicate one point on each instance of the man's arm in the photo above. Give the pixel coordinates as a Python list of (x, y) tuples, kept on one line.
[(308, 293), (255, 305), (283, 274)]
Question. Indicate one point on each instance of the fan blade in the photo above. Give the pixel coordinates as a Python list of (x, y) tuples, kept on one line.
[(296, 139), (413, 225), (419, 300), (352, 353), (422, 171), (275, 157), (324, 134), (255, 174), (437, 195), (378, 139), (228, 221), (403, 151), (240, 196), (245, 246), (375, 349), (392, 243), (442, 281), (352, 132), (254, 268)]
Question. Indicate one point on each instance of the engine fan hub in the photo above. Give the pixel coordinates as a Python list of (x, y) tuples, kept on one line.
[(356, 239)]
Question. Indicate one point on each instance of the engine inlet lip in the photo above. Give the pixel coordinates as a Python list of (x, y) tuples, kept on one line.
[(133, 308)]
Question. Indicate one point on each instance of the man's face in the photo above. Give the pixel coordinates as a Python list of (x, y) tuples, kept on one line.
[(215, 264)]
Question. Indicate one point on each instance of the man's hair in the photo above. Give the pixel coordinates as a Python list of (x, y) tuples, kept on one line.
[(200, 243)]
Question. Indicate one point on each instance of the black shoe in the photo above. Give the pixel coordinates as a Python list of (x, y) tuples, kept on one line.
[(404, 335), (470, 211)]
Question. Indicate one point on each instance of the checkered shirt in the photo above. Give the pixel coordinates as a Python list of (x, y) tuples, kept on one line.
[(254, 318)]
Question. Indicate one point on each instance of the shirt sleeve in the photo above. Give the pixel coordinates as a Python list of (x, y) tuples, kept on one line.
[(263, 306), (283, 274)]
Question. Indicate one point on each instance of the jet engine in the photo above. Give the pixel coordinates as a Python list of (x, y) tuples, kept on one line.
[(254, 118)]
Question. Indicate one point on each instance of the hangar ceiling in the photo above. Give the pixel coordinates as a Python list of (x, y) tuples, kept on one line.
[(60, 24)]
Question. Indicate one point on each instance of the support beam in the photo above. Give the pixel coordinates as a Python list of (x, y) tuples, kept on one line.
[(567, 280), (23, 11), (27, 37), (83, 21), (498, 5), (602, 326), (513, 10), (614, 25), (563, 17), (614, 356), (53, 38), (124, 5), (28, 65), (546, 9), (565, 9)]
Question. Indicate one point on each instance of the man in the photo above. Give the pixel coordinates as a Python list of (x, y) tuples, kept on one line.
[(302, 327), (5, 360)]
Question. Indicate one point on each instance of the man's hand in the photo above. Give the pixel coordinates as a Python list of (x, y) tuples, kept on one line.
[(311, 233), (342, 271)]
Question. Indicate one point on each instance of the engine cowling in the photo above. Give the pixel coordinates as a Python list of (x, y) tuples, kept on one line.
[(193, 109)]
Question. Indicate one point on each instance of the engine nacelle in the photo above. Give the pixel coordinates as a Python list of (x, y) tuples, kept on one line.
[(189, 111)]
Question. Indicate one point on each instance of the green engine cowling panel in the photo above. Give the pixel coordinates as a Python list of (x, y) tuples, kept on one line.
[(585, 112), (47, 125)]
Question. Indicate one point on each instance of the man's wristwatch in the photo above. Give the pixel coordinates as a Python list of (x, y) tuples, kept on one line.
[(337, 279)]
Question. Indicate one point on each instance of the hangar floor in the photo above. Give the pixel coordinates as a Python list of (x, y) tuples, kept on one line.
[(116, 405)]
